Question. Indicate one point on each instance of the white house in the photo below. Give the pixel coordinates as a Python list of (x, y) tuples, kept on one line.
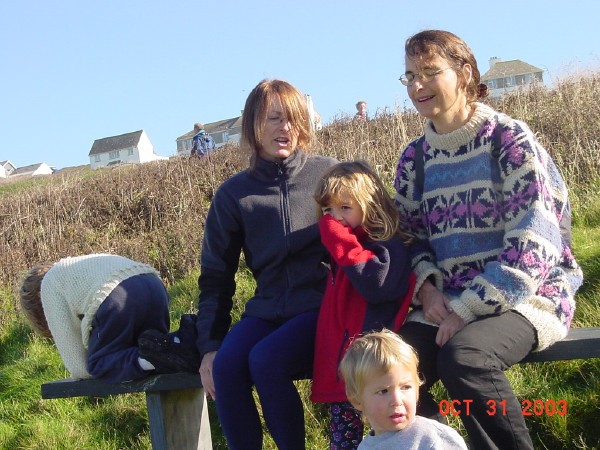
[(315, 117), (129, 148), (506, 76), (6, 168), (33, 170)]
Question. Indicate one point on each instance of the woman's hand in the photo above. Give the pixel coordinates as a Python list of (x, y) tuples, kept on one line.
[(448, 328), (436, 306), (206, 374)]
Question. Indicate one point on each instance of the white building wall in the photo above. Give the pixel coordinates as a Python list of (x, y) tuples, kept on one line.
[(96, 161), (44, 169), (145, 150), (142, 153)]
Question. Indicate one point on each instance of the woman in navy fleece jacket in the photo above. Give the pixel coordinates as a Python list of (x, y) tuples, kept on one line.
[(267, 212)]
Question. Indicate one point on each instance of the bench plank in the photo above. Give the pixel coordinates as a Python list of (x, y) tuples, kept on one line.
[(177, 410), (96, 388), (580, 343)]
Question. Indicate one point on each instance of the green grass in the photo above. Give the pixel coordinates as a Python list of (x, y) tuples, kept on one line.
[(27, 361), (155, 212)]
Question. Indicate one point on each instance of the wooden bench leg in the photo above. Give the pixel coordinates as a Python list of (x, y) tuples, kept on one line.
[(179, 420)]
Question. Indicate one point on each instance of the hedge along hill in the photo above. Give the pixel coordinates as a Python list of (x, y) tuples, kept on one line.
[(150, 212), (155, 212)]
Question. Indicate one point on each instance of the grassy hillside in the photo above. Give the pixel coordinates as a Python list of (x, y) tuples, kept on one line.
[(155, 213)]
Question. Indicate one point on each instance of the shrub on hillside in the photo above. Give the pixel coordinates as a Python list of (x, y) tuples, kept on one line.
[(155, 212)]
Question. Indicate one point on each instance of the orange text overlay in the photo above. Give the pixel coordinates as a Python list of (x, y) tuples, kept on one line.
[(492, 407)]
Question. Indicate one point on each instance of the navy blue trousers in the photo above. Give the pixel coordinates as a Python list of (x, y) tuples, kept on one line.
[(137, 304), (471, 366), (268, 356)]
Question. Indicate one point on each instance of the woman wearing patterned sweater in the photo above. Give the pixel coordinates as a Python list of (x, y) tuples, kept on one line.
[(495, 277)]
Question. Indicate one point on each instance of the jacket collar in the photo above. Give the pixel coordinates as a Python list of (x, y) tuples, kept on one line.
[(275, 171)]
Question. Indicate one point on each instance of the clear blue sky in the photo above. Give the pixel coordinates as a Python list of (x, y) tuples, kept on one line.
[(73, 71)]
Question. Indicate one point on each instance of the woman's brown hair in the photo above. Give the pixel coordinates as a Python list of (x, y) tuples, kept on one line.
[(453, 49), (257, 105)]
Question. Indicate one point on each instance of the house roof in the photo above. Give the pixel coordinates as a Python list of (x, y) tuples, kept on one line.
[(7, 165), (503, 69), (113, 143), (26, 169), (215, 127)]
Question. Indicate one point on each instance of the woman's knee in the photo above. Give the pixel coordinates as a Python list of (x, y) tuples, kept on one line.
[(229, 365), (262, 362), (460, 357)]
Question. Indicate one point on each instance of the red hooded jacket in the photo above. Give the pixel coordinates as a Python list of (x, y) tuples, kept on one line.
[(370, 286)]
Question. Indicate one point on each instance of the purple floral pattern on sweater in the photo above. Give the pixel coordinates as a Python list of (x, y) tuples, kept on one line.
[(487, 221)]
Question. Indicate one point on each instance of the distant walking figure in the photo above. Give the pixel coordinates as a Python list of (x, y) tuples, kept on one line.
[(202, 143)]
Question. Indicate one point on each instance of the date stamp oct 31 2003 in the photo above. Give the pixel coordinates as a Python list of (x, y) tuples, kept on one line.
[(537, 407)]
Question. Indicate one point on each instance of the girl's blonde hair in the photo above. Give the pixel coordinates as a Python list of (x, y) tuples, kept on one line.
[(357, 179), (374, 354), (31, 300)]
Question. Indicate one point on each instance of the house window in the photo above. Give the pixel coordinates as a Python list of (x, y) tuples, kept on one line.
[(524, 79), (509, 81), (97, 158), (113, 155), (130, 152)]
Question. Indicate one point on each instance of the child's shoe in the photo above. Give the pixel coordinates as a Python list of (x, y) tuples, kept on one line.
[(172, 352)]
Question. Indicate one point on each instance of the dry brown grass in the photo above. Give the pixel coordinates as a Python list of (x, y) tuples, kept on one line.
[(155, 212), (567, 122), (152, 212)]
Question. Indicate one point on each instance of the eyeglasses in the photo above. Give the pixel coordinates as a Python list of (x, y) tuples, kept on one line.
[(426, 75)]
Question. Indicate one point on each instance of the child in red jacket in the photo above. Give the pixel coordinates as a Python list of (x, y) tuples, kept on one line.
[(370, 284)]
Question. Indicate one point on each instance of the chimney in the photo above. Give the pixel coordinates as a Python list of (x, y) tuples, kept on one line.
[(494, 60)]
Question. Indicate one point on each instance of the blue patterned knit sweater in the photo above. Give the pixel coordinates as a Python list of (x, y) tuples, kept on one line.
[(489, 225)]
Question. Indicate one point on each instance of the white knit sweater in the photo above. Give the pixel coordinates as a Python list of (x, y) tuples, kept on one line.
[(72, 291)]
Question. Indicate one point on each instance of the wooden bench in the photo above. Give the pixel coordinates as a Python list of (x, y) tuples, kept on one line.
[(176, 404), (580, 343), (177, 410)]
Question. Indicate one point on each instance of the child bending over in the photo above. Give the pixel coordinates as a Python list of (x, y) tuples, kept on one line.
[(95, 307)]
